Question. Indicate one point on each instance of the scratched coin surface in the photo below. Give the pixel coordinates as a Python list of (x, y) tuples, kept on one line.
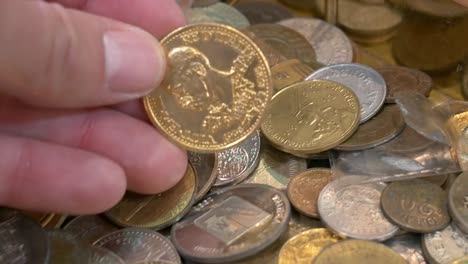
[(276, 168), (303, 248), (232, 224), (311, 117), (303, 190), (409, 247), (216, 91), (135, 245), (88, 228), (331, 45), (235, 164), (416, 206), (203, 165), (156, 211), (446, 245), (352, 209), (358, 252), (286, 41), (402, 78), (366, 83), (16, 246), (258, 12), (381, 128), (458, 201), (218, 13)]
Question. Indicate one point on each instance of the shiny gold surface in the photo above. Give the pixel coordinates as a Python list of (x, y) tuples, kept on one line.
[(289, 72), (216, 90)]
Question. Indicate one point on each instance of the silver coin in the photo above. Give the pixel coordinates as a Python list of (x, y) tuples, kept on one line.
[(88, 228), (445, 246), (22, 240), (235, 164), (409, 247), (136, 245), (232, 224), (204, 168), (331, 45), (458, 201), (353, 210), (218, 13), (366, 83)]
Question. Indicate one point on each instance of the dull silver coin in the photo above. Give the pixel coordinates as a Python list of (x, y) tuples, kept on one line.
[(88, 228), (445, 246), (135, 245), (366, 83), (232, 224), (352, 209), (204, 168), (458, 201), (409, 247), (331, 45)]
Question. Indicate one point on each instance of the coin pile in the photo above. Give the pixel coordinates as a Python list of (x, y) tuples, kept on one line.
[(259, 98)]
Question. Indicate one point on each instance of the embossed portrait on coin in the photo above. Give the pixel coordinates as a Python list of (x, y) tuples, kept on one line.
[(225, 98)]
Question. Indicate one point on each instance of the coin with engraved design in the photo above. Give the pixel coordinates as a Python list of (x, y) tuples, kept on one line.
[(88, 228), (446, 245), (216, 90), (139, 245), (258, 12), (232, 224), (203, 165), (409, 247), (352, 209), (366, 83), (458, 201)]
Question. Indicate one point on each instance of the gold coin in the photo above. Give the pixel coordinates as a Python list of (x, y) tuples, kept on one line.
[(311, 117), (303, 248), (56, 221), (216, 90), (462, 260), (289, 72), (358, 252), (156, 211)]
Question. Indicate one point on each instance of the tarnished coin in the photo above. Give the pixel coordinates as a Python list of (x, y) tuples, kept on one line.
[(409, 247), (258, 12), (288, 42), (156, 211), (88, 228), (458, 201), (216, 91), (403, 78), (232, 224), (204, 168), (438, 8), (304, 189), (137, 245), (298, 4), (446, 245), (331, 45), (409, 141), (23, 241), (235, 164), (276, 168), (303, 248), (366, 83), (289, 72), (358, 252), (381, 128), (437, 180), (218, 13), (352, 209), (416, 206), (311, 117)]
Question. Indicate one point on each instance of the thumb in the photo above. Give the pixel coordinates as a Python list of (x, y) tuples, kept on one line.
[(56, 57)]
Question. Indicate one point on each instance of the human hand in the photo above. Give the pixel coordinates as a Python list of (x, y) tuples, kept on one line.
[(61, 149)]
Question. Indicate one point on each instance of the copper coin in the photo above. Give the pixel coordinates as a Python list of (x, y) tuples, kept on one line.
[(303, 190), (263, 12), (416, 206), (88, 228), (272, 55), (156, 211), (403, 78), (204, 168)]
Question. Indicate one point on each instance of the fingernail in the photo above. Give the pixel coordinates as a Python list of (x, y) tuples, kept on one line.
[(134, 61)]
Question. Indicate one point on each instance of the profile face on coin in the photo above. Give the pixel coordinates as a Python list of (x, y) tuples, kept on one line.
[(458, 201), (216, 90), (232, 224)]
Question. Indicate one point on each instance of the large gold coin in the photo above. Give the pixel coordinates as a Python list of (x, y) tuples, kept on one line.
[(216, 90), (303, 248), (358, 252), (311, 117), (156, 211)]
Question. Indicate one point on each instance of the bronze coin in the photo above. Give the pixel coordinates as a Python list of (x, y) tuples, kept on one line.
[(88, 228), (203, 165), (416, 206), (263, 12), (304, 189), (289, 72), (403, 78), (272, 55)]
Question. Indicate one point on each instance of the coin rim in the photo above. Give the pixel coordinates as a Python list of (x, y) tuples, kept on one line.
[(457, 218)]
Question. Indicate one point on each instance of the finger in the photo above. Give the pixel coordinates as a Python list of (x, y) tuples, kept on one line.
[(151, 163), (45, 177), (133, 108), (64, 58), (157, 17)]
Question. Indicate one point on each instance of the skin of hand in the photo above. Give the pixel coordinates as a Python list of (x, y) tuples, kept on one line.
[(73, 133)]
